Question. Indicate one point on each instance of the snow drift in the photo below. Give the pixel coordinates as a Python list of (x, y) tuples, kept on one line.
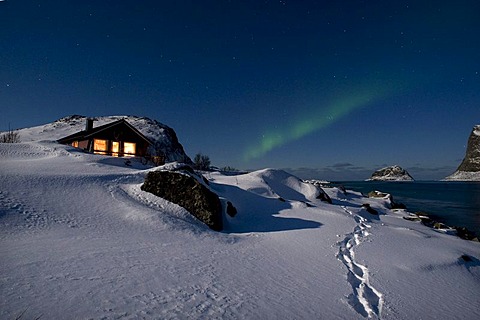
[(80, 239)]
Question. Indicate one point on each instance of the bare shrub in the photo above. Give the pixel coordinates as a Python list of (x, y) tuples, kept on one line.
[(10, 137)]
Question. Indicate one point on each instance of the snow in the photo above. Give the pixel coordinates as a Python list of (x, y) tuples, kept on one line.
[(80, 239), (463, 176), (157, 132), (476, 130)]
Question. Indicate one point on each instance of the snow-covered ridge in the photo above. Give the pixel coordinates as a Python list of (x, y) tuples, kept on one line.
[(463, 176), (78, 236), (161, 134)]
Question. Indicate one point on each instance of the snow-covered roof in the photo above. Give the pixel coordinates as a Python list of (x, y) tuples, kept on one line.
[(85, 134)]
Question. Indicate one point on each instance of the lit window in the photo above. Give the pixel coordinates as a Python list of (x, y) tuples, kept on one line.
[(100, 146), (75, 144), (129, 149), (115, 148)]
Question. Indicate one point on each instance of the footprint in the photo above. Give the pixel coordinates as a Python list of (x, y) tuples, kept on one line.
[(364, 299)]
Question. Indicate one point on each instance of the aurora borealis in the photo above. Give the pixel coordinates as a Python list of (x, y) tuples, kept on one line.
[(317, 119), (331, 89)]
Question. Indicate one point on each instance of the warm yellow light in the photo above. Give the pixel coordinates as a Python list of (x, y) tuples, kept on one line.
[(115, 148), (75, 144), (99, 146), (129, 149)]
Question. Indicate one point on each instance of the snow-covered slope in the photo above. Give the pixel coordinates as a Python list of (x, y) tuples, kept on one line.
[(80, 240), (392, 173), (162, 135), (469, 169)]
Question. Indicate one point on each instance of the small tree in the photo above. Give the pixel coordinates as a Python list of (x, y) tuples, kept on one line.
[(205, 163), (197, 161), (229, 169), (201, 162), (10, 137)]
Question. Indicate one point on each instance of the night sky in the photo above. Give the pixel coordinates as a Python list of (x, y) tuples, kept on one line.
[(329, 89)]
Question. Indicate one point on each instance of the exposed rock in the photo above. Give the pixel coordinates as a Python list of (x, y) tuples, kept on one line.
[(392, 173), (412, 218), (231, 210), (397, 205), (318, 183), (323, 196), (188, 192), (369, 209), (308, 205), (439, 225), (425, 219), (379, 194), (461, 232), (392, 204), (469, 169), (466, 234)]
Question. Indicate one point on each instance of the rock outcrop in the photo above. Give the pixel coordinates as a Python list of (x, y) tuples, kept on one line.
[(187, 191), (392, 173), (469, 169), (388, 197)]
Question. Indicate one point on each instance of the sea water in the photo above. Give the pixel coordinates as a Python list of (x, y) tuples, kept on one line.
[(453, 203)]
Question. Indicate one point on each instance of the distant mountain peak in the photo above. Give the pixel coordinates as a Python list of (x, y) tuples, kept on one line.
[(469, 169)]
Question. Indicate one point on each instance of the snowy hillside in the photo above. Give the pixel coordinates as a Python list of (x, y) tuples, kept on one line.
[(79, 239), (164, 136)]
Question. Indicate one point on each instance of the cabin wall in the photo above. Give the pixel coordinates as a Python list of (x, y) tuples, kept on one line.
[(83, 144), (119, 134)]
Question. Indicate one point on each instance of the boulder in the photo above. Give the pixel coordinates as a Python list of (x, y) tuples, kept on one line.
[(466, 234), (188, 192), (379, 194), (440, 225), (382, 195)]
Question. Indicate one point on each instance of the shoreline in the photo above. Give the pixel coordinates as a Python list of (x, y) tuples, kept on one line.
[(427, 218)]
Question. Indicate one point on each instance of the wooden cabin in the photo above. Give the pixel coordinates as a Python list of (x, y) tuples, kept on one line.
[(118, 139)]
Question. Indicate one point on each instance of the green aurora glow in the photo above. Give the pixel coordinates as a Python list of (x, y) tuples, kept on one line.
[(315, 121)]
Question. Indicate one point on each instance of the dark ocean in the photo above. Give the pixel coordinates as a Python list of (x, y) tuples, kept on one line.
[(453, 203)]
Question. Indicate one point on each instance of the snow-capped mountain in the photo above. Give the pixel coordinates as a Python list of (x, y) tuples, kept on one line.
[(163, 137), (392, 173), (469, 169)]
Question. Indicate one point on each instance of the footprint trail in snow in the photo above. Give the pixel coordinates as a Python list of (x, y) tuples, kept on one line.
[(365, 299)]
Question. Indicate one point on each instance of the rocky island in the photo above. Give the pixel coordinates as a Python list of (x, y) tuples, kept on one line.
[(392, 173)]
